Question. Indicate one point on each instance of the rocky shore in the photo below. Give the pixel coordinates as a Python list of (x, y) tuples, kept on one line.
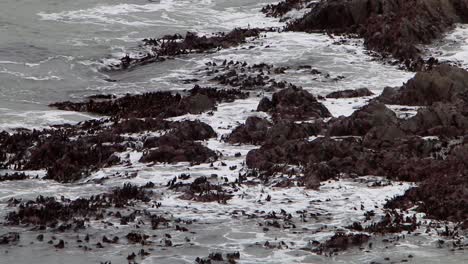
[(290, 140)]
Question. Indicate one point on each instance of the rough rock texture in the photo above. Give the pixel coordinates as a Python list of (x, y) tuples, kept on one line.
[(257, 131), (201, 190), (171, 149), (50, 212), (444, 83), (282, 8), (408, 158), (174, 45), (388, 26), (439, 119), (373, 141), (360, 122), (293, 104), (13, 177), (361, 92), (340, 241), (444, 194), (70, 153), (254, 131), (9, 238), (156, 104)]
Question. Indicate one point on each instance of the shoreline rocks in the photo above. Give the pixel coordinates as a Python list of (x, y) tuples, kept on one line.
[(394, 27), (293, 104), (176, 45)]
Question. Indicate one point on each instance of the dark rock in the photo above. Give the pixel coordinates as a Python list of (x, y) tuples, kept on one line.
[(282, 8), (48, 211), (137, 238), (170, 46), (387, 26), (363, 120), (340, 241), (60, 245), (13, 177), (442, 195), (9, 238), (254, 131), (156, 104), (444, 83), (439, 119), (361, 92), (201, 190), (171, 149), (293, 104)]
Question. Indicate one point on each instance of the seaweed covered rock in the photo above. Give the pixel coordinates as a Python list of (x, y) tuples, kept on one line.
[(293, 103), (202, 190), (258, 131), (156, 104), (360, 122), (341, 241), (174, 45), (439, 119), (443, 83), (361, 92), (51, 212), (408, 158), (282, 8), (443, 194), (388, 26), (171, 149), (9, 238), (254, 131), (16, 176)]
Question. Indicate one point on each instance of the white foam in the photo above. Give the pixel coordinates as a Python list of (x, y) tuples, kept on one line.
[(453, 47)]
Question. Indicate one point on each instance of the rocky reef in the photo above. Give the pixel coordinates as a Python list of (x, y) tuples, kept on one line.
[(394, 27)]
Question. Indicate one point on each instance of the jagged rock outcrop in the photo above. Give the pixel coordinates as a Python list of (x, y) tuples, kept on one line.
[(293, 103), (393, 27)]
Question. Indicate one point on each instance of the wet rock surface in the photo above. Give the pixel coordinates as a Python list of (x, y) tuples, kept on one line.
[(156, 104), (63, 214), (444, 83), (360, 122), (171, 150), (373, 141), (13, 177), (201, 190), (303, 154), (340, 241), (350, 93), (283, 7), (175, 45), (390, 27), (293, 104), (257, 131), (71, 153)]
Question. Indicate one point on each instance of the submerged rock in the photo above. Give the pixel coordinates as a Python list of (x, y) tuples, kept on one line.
[(66, 214), (9, 238), (341, 241), (201, 190)]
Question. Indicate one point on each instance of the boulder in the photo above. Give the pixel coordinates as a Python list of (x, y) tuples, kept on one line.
[(293, 103)]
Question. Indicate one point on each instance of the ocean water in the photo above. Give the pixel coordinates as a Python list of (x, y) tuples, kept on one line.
[(56, 50)]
